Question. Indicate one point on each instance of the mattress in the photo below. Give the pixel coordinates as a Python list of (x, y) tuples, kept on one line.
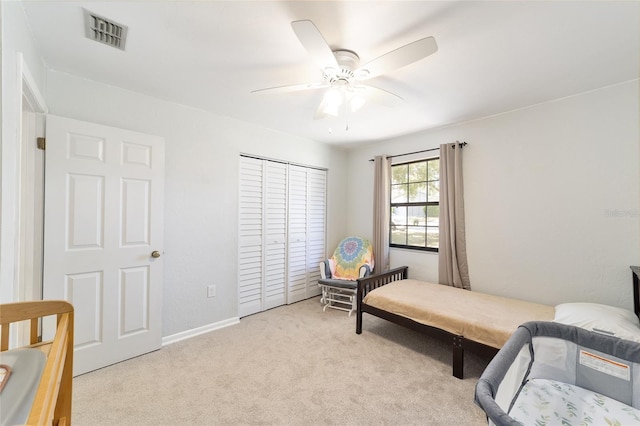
[(17, 396), (480, 317), (543, 401)]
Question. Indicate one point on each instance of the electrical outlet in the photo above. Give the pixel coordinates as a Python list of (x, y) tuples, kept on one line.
[(211, 291)]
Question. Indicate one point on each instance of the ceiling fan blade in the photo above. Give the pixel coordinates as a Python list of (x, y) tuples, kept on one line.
[(291, 88), (382, 97), (312, 40), (400, 57)]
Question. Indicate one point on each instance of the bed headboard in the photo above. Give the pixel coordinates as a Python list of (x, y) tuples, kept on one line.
[(635, 274)]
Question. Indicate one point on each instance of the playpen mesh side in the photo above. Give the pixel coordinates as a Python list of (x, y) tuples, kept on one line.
[(547, 350)]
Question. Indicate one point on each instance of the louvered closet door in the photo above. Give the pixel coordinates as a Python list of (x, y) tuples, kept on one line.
[(307, 228), (297, 270), (263, 235), (281, 233), (250, 258), (275, 236), (316, 214)]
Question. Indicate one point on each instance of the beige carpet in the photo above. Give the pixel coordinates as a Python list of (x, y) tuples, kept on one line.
[(292, 365)]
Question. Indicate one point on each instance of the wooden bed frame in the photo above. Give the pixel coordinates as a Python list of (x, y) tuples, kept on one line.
[(458, 343), (52, 401)]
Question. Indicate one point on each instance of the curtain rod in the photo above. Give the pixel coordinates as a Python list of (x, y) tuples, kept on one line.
[(460, 144)]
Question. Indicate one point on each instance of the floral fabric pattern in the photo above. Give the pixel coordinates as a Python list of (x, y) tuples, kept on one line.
[(351, 254), (548, 402)]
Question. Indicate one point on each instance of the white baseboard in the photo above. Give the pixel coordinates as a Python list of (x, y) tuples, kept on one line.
[(198, 331)]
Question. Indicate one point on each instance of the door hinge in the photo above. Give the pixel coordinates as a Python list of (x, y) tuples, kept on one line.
[(42, 143)]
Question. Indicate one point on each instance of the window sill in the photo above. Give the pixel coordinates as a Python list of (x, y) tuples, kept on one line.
[(411, 250)]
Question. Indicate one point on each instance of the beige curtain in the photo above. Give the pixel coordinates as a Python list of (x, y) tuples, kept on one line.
[(453, 269), (381, 213)]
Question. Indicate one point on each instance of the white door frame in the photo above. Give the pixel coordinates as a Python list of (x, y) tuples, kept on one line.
[(32, 102), (31, 110)]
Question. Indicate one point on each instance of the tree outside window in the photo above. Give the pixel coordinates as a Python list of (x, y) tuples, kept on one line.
[(415, 205)]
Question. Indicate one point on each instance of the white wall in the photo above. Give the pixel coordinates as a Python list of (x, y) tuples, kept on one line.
[(201, 188), (16, 38), (552, 191), (552, 197)]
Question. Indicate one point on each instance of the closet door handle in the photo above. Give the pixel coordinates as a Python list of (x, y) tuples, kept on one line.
[(155, 254)]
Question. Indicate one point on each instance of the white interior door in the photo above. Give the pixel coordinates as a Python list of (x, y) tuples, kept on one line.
[(103, 220)]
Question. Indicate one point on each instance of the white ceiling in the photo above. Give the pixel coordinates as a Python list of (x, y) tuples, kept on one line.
[(494, 56)]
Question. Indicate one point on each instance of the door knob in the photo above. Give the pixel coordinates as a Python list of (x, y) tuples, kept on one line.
[(155, 253)]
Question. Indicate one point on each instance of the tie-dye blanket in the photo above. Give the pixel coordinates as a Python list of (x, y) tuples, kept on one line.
[(351, 254)]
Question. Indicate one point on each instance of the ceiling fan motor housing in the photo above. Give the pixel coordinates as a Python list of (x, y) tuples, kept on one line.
[(348, 62)]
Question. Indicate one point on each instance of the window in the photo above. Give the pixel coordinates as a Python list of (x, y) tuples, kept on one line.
[(415, 205)]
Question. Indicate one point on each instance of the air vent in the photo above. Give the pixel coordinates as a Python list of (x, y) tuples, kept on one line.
[(104, 30)]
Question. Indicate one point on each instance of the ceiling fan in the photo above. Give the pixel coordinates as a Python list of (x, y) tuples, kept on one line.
[(342, 73)]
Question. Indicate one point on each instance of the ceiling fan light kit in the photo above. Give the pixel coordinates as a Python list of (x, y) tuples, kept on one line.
[(342, 72), (338, 95), (356, 102)]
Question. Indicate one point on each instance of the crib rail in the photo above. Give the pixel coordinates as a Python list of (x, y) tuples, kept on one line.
[(52, 401)]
